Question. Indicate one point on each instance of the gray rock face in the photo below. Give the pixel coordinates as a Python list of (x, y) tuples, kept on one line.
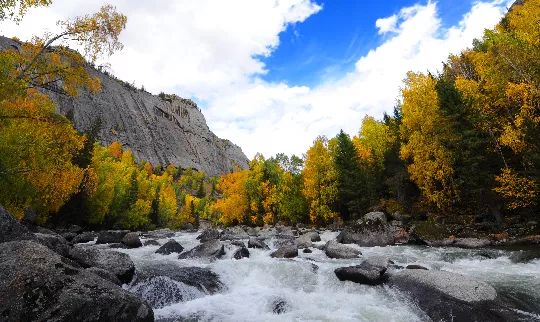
[(55, 242), (211, 249), (84, 238), (368, 233), (161, 130), (365, 273), (335, 250), (115, 262), (257, 243), (171, 246), (11, 229), (36, 284), (111, 236), (304, 241), (209, 234), (287, 251), (104, 274), (446, 296), (131, 240), (375, 215)]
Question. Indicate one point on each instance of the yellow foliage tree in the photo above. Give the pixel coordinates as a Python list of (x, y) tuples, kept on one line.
[(233, 206)]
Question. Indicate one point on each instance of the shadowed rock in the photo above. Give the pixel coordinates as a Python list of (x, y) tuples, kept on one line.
[(257, 243), (287, 251), (171, 246), (11, 229), (211, 249), (242, 252), (335, 250), (132, 240), (115, 262), (111, 236)]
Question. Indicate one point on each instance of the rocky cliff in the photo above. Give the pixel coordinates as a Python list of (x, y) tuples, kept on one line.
[(162, 130)]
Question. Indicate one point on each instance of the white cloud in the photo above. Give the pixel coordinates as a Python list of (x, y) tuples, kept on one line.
[(209, 48)]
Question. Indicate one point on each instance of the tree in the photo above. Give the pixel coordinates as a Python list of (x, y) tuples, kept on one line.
[(349, 183), (320, 182), (233, 205)]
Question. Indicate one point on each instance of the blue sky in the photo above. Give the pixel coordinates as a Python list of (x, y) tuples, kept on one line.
[(329, 43), (272, 75)]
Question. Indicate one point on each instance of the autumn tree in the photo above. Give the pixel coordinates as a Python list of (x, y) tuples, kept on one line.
[(233, 205)]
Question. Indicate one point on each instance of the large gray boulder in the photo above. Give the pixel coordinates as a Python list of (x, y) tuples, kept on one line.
[(446, 296), (335, 250), (132, 240), (366, 273), (234, 233), (165, 283), (304, 241), (257, 243), (209, 234), (111, 236), (37, 284), (375, 216), (55, 242), (240, 253), (11, 229), (115, 262), (105, 275), (367, 233), (287, 251), (171, 246), (84, 237), (211, 249)]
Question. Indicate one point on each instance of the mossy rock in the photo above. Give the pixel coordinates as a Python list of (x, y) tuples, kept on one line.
[(430, 230)]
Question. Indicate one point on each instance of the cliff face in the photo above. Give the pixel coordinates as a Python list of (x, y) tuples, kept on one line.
[(161, 130)]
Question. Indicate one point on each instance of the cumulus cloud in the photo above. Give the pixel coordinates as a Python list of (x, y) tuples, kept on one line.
[(211, 49)]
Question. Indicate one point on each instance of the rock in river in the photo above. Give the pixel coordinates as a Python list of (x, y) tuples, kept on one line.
[(211, 249), (335, 250), (115, 262), (171, 246), (287, 251)]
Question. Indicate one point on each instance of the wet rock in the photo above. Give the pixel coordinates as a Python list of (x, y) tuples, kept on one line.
[(132, 240), (234, 233), (284, 240), (54, 242), (525, 256), (37, 284), (287, 251), (115, 262), (118, 245), (238, 243), (307, 251), (68, 236), (211, 249), (335, 250), (257, 243), (252, 231), (160, 233), (365, 273), (105, 275), (11, 229), (304, 241), (280, 306), (416, 266), (84, 238), (111, 236), (151, 242), (209, 234), (471, 243), (367, 233), (162, 284), (171, 246), (375, 216), (242, 252), (446, 296), (313, 236)]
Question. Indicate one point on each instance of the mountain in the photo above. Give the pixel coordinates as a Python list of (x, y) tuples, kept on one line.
[(162, 130)]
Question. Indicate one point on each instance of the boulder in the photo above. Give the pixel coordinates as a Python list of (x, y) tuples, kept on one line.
[(111, 236), (416, 266), (54, 242), (238, 243), (252, 231), (160, 233), (151, 242), (284, 240), (257, 243), (335, 250), (446, 296), (118, 245), (84, 237), (104, 274), (307, 251), (209, 234), (280, 306), (240, 253), (162, 284), (287, 251), (132, 240), (471, 243), (115, 262), (11, 229), (234, 233), (304, 241), (171, 246), (211, 249), (68, 236), (37, 284), (375, 216), (365, 273), (313, 236), (367, 233)]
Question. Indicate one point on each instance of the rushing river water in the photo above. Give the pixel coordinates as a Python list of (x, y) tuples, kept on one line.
[(313, 293)]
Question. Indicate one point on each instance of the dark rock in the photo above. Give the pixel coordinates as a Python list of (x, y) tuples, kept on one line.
[(415, 266), (313, 236), (335, 250), (525, 256), (257, 243), (367, 233), (375, 216), (171, 246), (55, 242), (151, 242), (304, 241), (209, 234), (11, 229), (118, 245), (189, 226), (104, 274), (285, 240), (307, 251), (280, 306), (84, 238), (111, 236), (287, 251), (37, 284), (238, 243), (242, 252), (115, 262), (162, 284), (234, 233), (211, 249), (365, 273), (68, 236), (446, 296), (131, 240)]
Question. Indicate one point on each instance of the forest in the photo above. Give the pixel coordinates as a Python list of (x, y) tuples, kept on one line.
[(461, 145)]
